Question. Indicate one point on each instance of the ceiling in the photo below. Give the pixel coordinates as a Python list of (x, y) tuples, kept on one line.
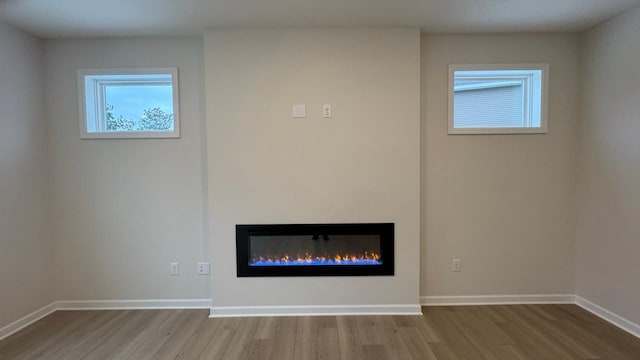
[(100, 18)]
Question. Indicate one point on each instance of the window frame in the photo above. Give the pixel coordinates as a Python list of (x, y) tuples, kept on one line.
[(544, 99), (98, 109)]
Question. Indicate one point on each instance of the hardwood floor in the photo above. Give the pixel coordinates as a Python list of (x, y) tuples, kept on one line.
[(471, 332)]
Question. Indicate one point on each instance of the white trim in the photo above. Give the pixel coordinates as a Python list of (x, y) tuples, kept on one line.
[(497, 299), (27, 320), (609, 316), (252, 311), (133, 304), (314, 310)]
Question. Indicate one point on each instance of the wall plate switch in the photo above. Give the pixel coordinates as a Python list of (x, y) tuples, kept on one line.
[(203, 268), (174, 269), (326, 111), (299, 111), (455, 265)]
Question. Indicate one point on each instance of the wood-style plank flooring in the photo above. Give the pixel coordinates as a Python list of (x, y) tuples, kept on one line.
[(471, 332)]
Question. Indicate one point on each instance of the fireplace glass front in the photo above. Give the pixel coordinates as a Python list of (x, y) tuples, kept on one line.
[(314, 249)]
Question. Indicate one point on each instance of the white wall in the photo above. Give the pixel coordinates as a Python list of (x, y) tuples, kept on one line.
[(608, 235), (26, 246), (124, 209), (360, 166), (504, 204)]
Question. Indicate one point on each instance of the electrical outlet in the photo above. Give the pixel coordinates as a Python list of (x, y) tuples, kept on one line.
[(175, 269), (455, 265), (326, 111), (203, 268), (299, 111)]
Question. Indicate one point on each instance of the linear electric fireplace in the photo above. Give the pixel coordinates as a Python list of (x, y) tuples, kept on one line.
[(315, 250)]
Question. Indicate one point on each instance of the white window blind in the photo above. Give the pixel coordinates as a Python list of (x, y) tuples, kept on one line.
[(489, 107)]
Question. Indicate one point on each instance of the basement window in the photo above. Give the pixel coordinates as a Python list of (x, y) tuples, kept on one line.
[(128, 103), (498, 99)]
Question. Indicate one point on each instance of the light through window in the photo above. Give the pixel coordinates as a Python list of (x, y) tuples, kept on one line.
[(121, 103), (494, 99)]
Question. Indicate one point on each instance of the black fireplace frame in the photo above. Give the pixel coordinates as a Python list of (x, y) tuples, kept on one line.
[(384, 230)]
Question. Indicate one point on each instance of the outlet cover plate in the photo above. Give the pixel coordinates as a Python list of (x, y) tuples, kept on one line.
[(174, 269), (203, 268), (455, 265), (299, 111)]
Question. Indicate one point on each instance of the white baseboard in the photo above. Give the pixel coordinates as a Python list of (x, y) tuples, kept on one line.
[(591, 307), (319, 310), (497, 300), (27, 320), (609, 316), (247, 311), (133, 304)]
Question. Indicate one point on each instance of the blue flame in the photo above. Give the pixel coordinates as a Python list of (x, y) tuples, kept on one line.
[(314, 262)]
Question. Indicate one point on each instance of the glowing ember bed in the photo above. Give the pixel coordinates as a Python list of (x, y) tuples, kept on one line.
[(315, 249)]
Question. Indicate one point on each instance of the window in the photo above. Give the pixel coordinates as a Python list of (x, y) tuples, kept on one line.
[(498, 99), (129, 103)]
